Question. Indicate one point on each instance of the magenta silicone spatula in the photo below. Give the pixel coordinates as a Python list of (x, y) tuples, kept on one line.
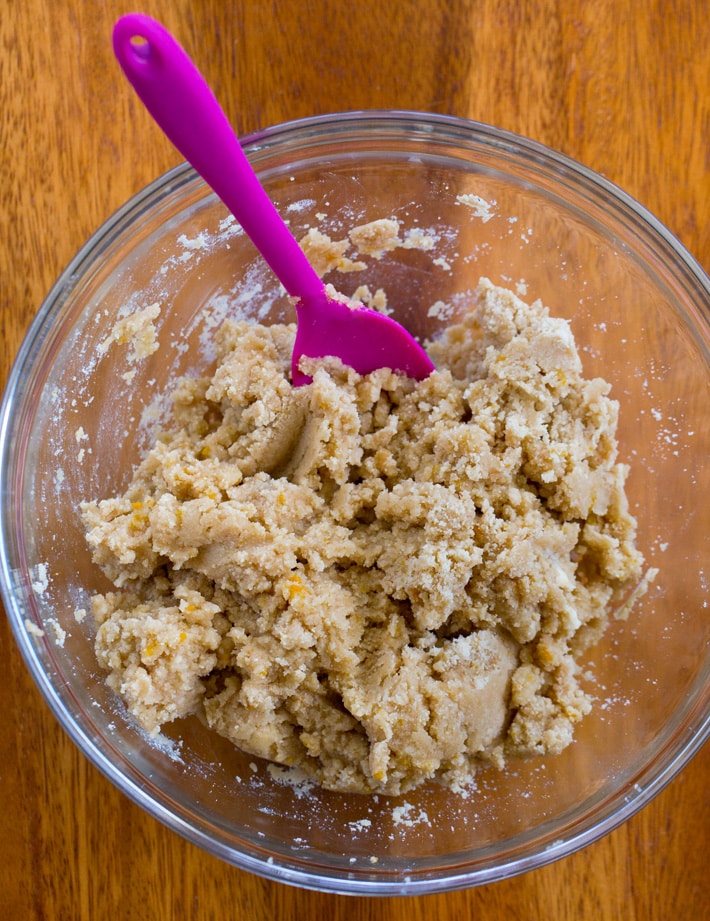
[(180, 101)]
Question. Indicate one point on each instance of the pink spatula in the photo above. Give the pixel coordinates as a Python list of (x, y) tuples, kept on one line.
[(178, 98)]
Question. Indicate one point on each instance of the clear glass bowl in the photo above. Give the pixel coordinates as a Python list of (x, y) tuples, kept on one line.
[(73, 427)]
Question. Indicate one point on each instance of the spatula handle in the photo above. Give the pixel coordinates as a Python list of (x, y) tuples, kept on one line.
[(177, 96)]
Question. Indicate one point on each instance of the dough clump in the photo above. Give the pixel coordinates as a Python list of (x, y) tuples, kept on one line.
[(378, 580)]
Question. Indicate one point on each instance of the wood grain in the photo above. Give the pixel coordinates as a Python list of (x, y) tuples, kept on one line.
[(620, 85)]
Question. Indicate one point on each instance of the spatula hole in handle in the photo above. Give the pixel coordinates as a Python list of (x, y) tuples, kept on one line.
[(139, 48)]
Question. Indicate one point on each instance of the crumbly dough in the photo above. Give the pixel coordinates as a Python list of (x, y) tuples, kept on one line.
[(138, 331), (377, 580)]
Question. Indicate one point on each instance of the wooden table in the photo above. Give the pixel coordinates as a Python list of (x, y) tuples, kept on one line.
[(621, 85)]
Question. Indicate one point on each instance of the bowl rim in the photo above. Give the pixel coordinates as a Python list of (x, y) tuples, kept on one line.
[(258, 145)]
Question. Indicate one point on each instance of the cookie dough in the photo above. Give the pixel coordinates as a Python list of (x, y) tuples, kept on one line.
[(377, 580)]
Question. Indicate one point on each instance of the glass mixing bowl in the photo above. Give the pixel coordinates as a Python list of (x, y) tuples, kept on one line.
[(77, 416)]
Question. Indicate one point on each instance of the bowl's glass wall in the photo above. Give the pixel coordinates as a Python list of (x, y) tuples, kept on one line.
[(75, 426)]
